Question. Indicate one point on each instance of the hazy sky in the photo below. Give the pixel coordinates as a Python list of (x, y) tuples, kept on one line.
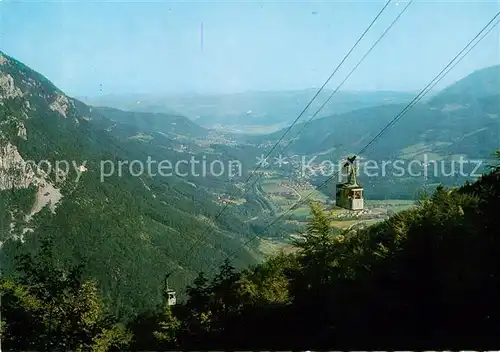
[(96, 48)]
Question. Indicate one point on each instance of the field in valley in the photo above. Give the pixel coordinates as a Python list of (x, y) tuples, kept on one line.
[(284, 195)]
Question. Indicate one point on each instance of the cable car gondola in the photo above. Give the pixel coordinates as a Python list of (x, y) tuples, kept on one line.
[(349, 195), (169, 294)]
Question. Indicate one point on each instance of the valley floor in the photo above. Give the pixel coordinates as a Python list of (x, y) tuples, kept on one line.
[(375, 211)]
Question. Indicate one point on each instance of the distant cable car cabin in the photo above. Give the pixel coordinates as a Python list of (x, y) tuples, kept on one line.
[(171, 299), (169, 294), (349, 194)]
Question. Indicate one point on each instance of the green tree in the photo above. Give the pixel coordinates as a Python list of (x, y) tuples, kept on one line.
[(49, 308), (168, 330)]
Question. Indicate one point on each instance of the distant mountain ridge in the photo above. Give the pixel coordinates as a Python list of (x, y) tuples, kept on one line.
[(461, 121), (249, 109), (465, 106), (480, 84), (154, 122)]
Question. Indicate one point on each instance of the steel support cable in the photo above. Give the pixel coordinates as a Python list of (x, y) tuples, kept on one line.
[(426, 89), (417, 98), (291, 126), (458, 61), (347, 77)]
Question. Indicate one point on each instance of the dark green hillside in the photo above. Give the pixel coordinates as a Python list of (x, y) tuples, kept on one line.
[(159, 147), (426, 278), (129, 231)]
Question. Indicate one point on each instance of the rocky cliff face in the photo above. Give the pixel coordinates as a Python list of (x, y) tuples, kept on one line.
[(17, 89), (15, 172)]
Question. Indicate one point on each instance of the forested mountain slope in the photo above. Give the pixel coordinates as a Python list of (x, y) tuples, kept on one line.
[(425, 278), (464, 119), (129, 230), (476, 86), (208, 149), (173, 125)]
